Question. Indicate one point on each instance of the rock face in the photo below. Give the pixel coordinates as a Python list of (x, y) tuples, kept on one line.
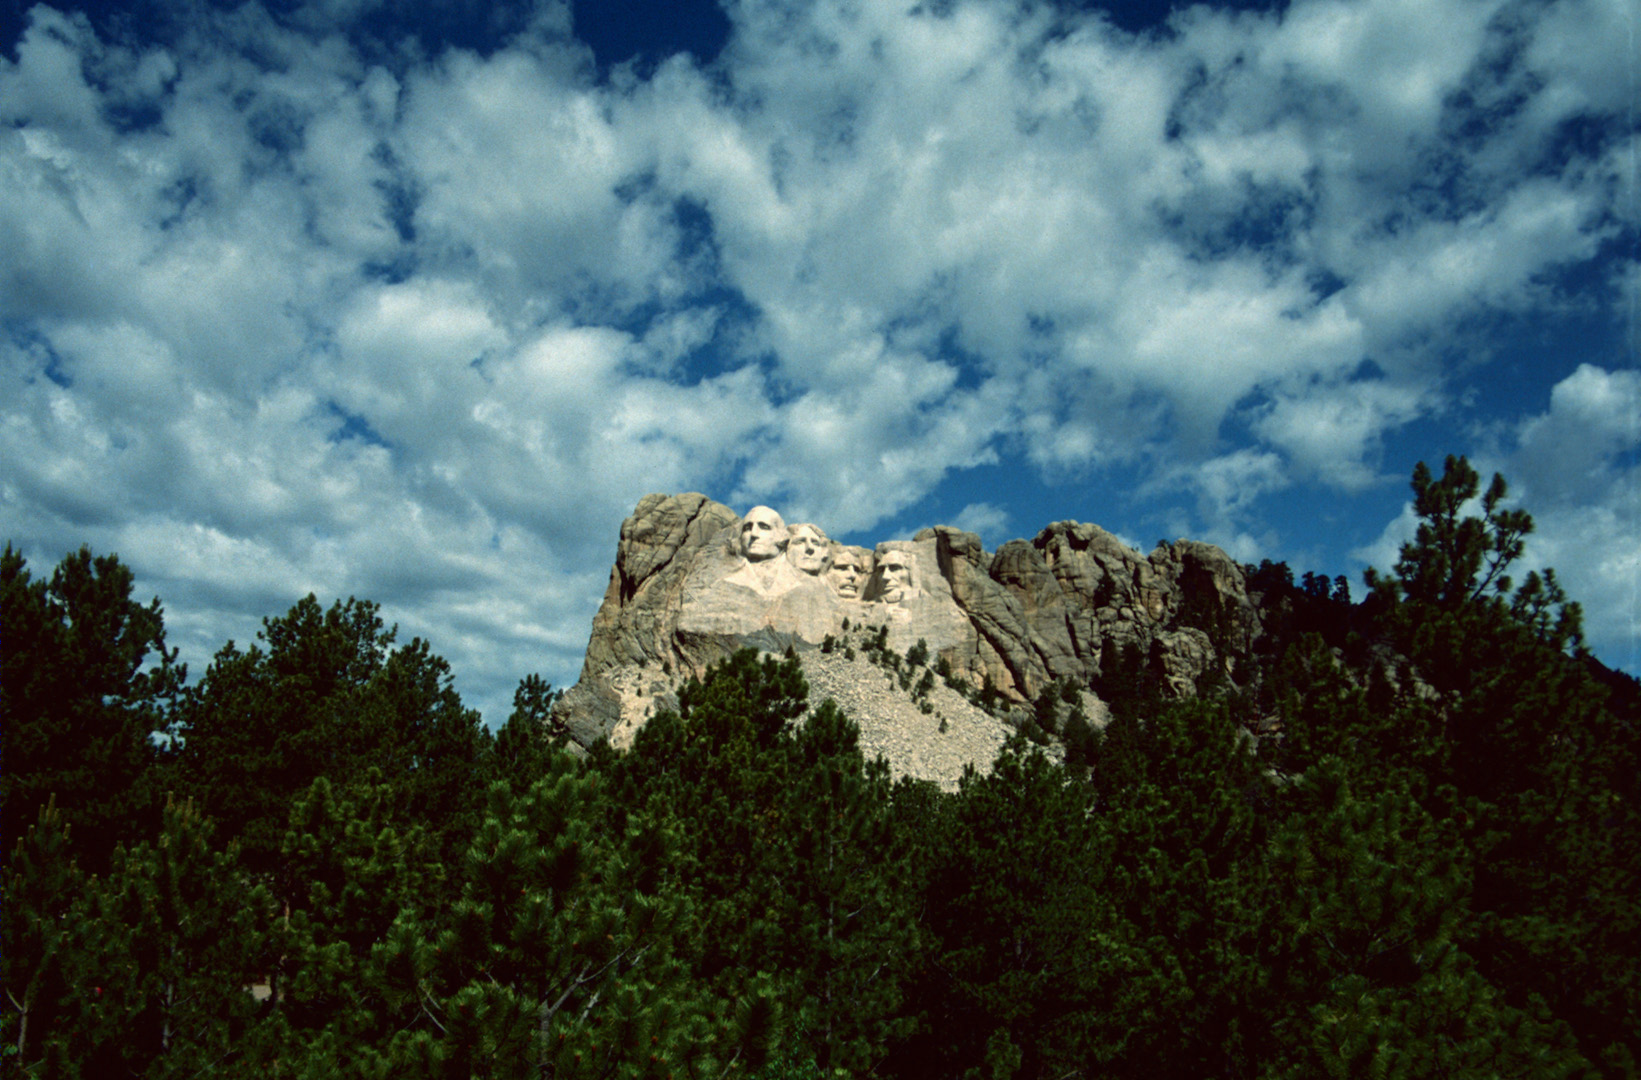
[(693, 581)]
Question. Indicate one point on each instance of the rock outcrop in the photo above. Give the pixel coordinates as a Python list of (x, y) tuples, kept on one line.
[(693, 581)]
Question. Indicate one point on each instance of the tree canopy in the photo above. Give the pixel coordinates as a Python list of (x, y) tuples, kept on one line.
[(1408, 846)]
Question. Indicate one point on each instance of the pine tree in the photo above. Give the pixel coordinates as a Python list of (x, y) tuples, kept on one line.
[(1182, 813), (525, 745), (327, 694), (1032, 968), (716, 774), (1457, 558), (558, 958), (845, 910), (1360, 932), (789, 855), (350, 868), (39, 964), (1529, 755), (264, 723), (169, 940), (85, 684)]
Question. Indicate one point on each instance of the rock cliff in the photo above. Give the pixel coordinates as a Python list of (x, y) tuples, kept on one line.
[(1072, 608)]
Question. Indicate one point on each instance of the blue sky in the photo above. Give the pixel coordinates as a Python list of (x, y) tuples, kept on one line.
[(309, 296)]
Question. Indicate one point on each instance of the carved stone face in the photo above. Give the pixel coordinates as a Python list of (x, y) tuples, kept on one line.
[(896, 569), (763, 534), (847, 573), (808, 549)]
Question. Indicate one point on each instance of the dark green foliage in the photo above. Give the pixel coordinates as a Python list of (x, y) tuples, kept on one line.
[(987, 696), (556, 960), (1295, 620), (1181, 813), (851, 925), (85, 682), (176, 937), (1080, 741), (1520, 744), (1202, 607), (347, 872), (745, 699), (525, 745), (918, 654), (327, 694), (1128, 684), (1454, 560), (1046, 710), (1367, 898), (1407, 844), (142, 971), (42, 968), (787, 855), (1031, 966), (1541, 605), (924, 684)]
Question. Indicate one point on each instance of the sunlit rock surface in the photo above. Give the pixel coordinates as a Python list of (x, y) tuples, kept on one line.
[(693, 581)]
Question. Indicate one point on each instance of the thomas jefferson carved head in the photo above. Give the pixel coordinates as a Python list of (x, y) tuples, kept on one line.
[(763, 534), (808, 548)]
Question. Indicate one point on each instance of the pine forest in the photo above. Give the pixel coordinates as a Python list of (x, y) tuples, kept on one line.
[(1410, 847)]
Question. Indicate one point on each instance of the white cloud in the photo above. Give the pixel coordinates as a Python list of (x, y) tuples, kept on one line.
[(987, 521), (1228, 489), (427, 334), (1383, 552), (1585, 52), (1578, 475), (1333, 433), (1566, 456)]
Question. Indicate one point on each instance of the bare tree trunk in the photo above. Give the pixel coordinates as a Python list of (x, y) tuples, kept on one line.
[(22, 1025)]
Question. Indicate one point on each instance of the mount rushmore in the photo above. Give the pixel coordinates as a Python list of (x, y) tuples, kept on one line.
[(693, 581)]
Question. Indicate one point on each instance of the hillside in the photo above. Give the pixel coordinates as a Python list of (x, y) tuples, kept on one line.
[(1187, 819)]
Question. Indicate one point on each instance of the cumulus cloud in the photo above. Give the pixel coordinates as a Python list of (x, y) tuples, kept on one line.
[(1580, 469), (986, 520), (1334, 434), (289, 310), (1228, 489), (1572, 454)]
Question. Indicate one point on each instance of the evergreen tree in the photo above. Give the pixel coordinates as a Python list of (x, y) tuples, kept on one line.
[(39, 965), (349, 870), (86, 682), (846, 907), (143, 971), (1457, 558), (327, 694), (1364, 903), (1540, 769), (525, 745), (1032, 968), (1183, 813), (557, 960), (264, 723), (788, 854), (170, 940)]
